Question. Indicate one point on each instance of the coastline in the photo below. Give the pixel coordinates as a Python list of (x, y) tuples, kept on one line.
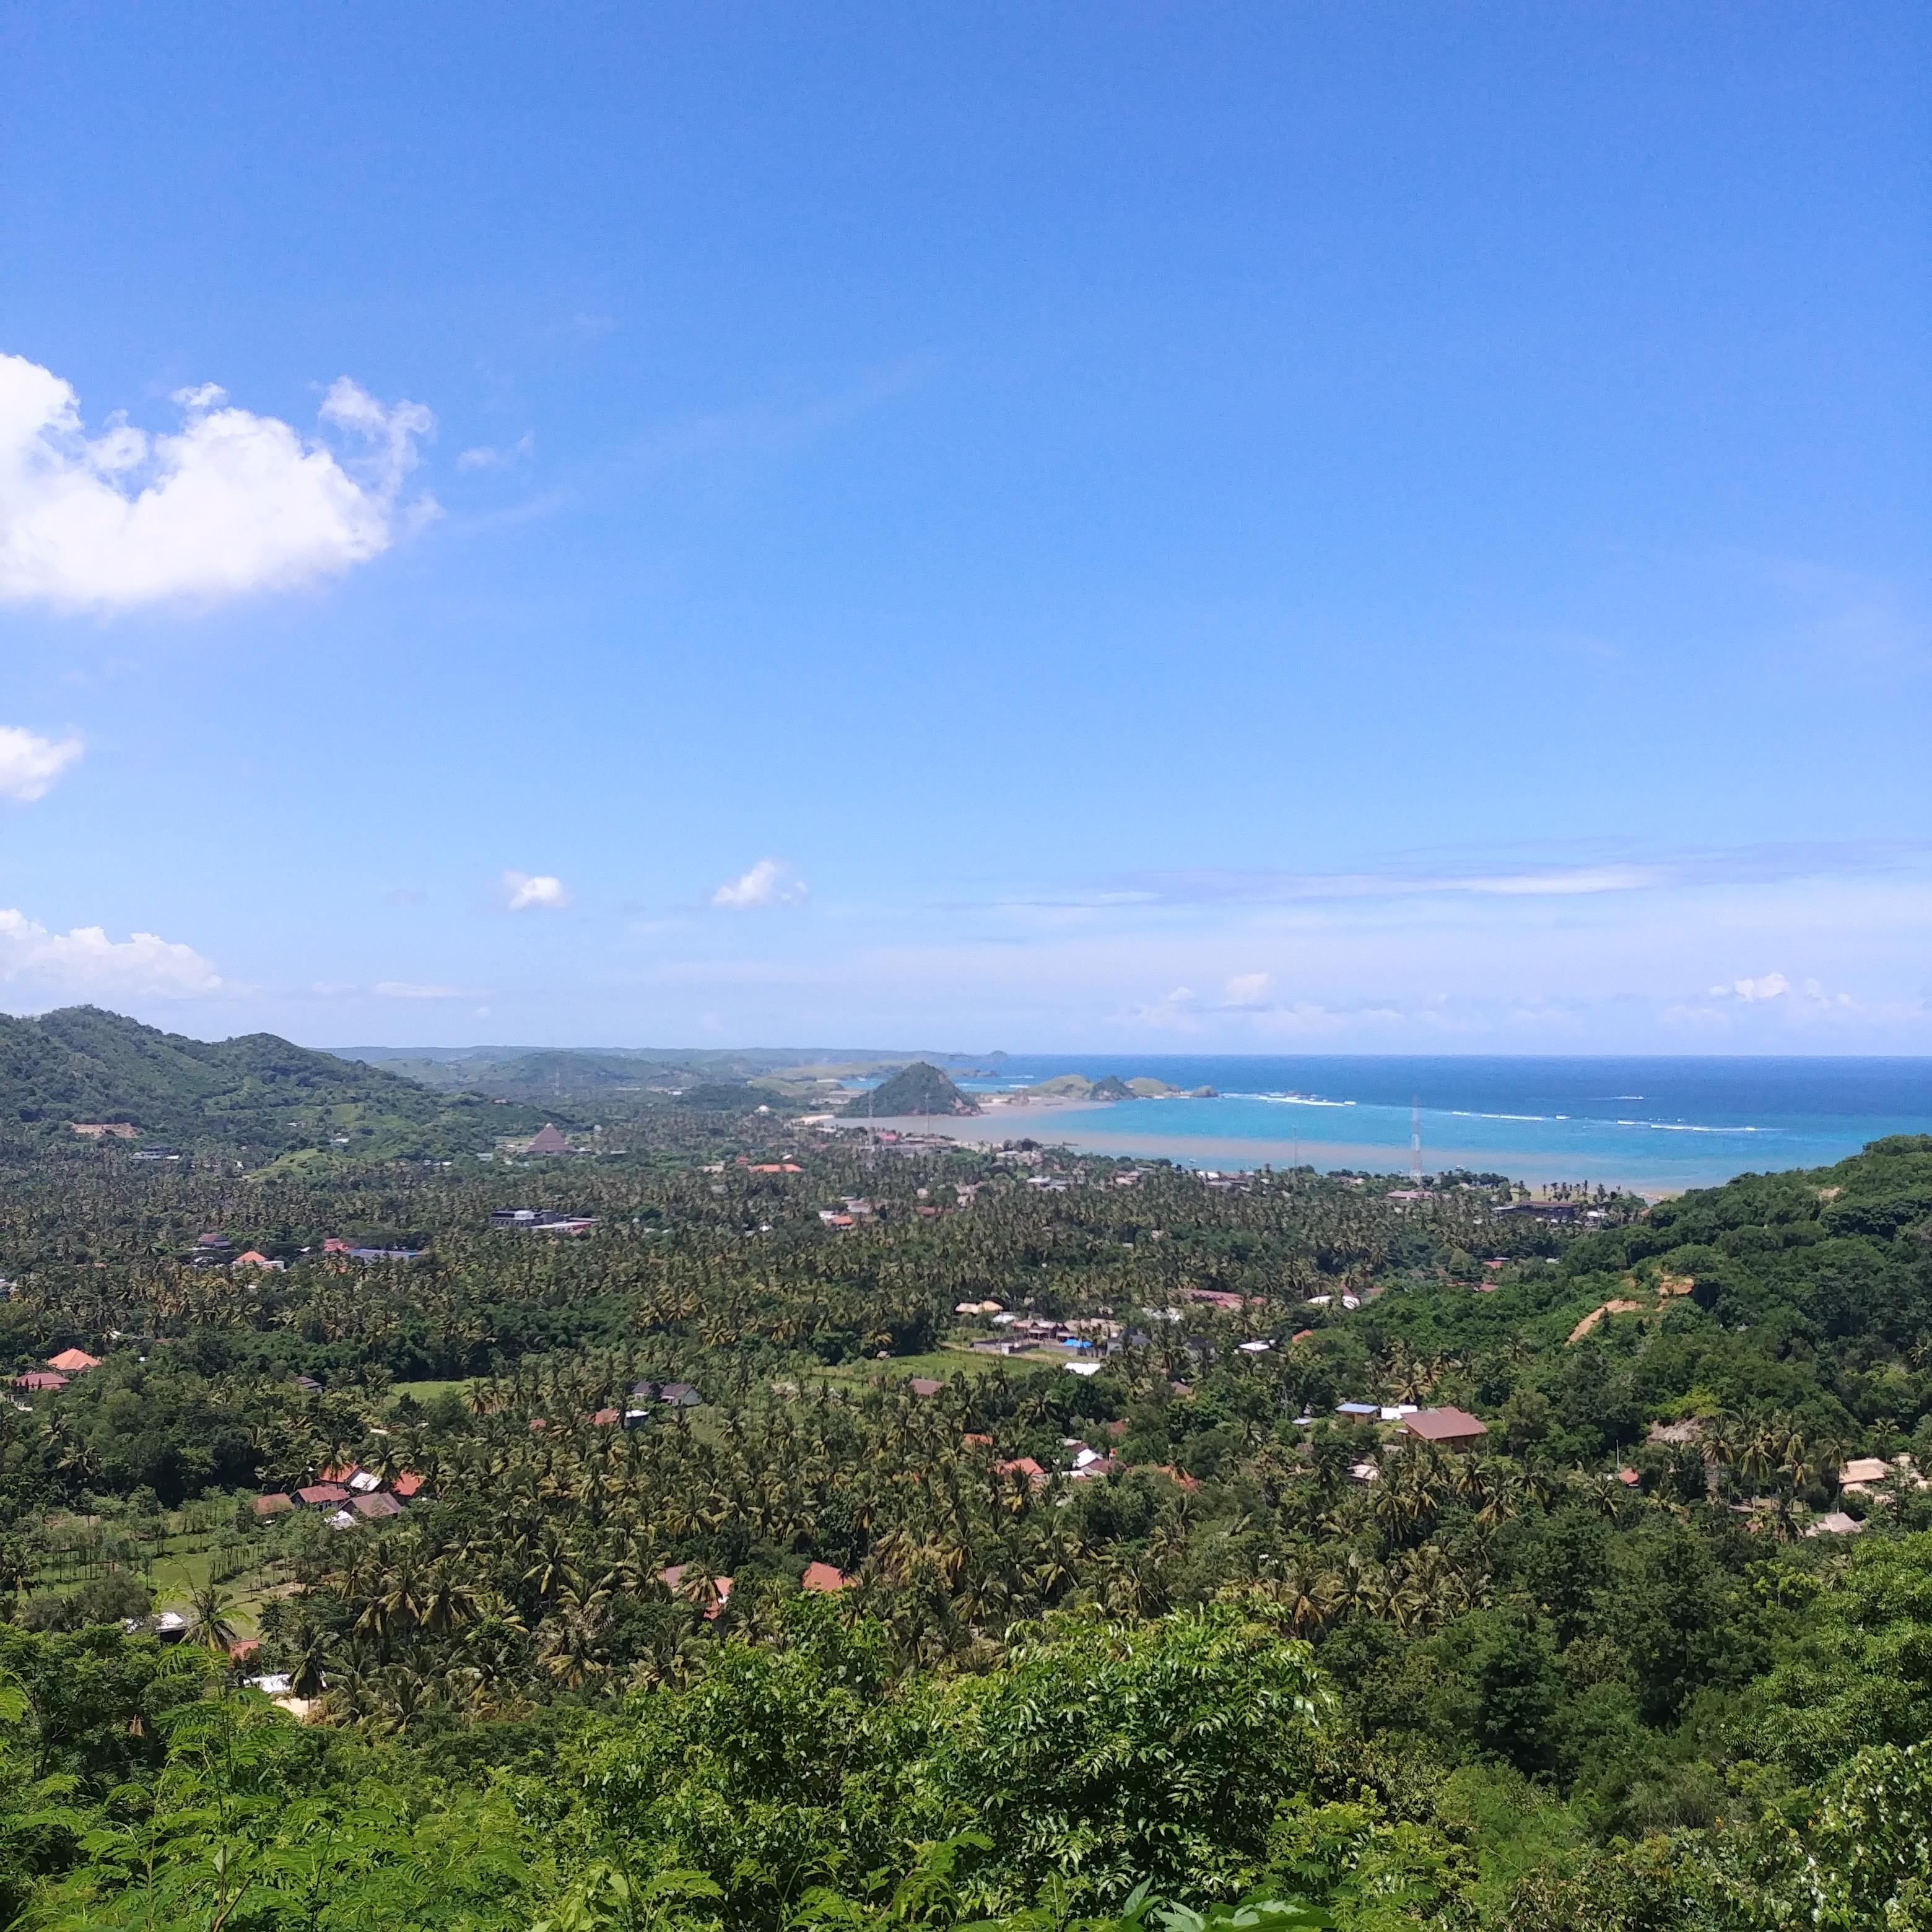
[(1034, 1121)]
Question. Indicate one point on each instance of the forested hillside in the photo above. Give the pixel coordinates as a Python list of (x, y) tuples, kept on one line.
[(716, 1579), (256, 1093)]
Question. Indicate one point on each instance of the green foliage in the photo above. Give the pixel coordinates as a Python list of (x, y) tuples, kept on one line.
[(920, 1088)]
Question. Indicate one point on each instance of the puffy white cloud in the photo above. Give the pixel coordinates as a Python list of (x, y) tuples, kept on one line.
[(231, 502), (771, 882), (29, 764), (523, 891), (1246, 989), (85, 962), (1766, 986)]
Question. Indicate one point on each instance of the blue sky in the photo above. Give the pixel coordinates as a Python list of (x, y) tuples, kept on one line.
[(1131, 526)]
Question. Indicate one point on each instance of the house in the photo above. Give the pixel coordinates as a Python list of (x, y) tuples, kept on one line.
[(1855, 1475), (541, 1221), (1453, 1428), (833, 1219), (406, 1487), (973, 1441), (1022, 1465), (822, 1577), (1836, 1523), (1217, 1298), (308, 1385), (72, 1362), (40, 1378), (376, 1507), (321, 1495), (340, 1472), (1362, 1410), (673, 1575), (98, 1130), (1394, 1411), (335, 1245), (1676, 1435), (277, 1504), (214, 1240), (377, 1255), (680, 1395), (254, 1258), (365, 1482), (547, 1140)]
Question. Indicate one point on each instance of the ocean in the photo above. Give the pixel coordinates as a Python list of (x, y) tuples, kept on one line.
[(1657, 1125)]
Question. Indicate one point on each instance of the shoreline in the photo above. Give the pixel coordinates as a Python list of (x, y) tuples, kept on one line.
[(998, 1124)]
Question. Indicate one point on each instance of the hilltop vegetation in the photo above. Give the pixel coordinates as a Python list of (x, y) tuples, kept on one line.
[(920, 1088), (257, 1092), (1179, 1621)]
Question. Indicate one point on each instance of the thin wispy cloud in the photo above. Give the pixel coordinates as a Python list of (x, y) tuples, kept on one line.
[(1473, 877), (412, 989), (230, 503)]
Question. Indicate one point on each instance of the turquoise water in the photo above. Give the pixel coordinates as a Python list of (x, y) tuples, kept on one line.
[(1657, 1125)]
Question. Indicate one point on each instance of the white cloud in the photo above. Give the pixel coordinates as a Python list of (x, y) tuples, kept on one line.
[(483, 457), (29, 764), (523, 890), (86, 962), (1766, 986), (1246, 989), (771, 882), (231, 503), (410, 989)]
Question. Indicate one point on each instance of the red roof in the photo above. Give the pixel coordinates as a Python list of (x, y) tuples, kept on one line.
[(247, 1647), (341, 1474), (978, 1441), (317, 1494), (335, 1245), (823, 1576), (406, 1485), (604, 1417), (73, 1361), (1020, 1465), (40, 1378)]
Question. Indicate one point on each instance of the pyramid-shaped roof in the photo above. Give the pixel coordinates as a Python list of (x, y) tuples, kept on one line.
[(548, 1140)]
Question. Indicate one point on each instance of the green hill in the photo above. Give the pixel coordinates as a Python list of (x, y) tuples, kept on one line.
[(82, 1064), (1078, 1086), (920, 1088)]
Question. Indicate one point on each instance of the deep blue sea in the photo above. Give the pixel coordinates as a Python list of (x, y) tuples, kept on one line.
[(1657, 1125)]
